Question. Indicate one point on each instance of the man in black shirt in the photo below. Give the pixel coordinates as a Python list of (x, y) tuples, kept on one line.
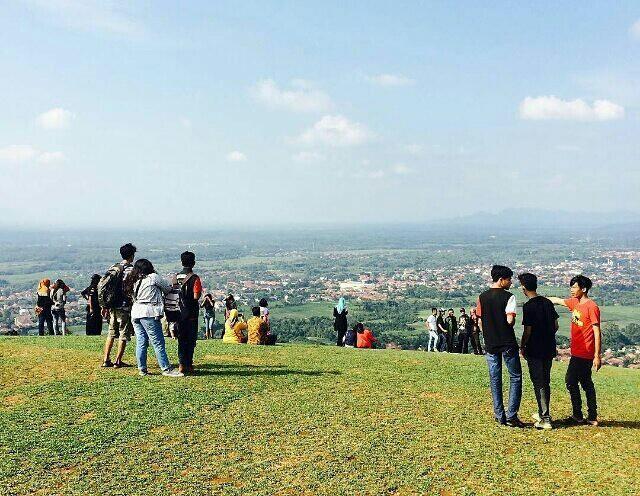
[(538, 344), (451, 324), (496, 310)]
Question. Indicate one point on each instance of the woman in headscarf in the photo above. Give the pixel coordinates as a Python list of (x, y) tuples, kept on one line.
[(94, 312), (59, 298), (340, 323), (43, 307), (234, 327)]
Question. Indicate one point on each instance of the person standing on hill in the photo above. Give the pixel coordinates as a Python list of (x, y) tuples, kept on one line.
[(475, 334), (94, 312), (496, 309), (59, 298), (442, 331), (451, 325), (586, 345), (340, 324), (208, 304), (432, 327), (43, 307), (190, 291), (538, 345), (116, 305), (464, 332)]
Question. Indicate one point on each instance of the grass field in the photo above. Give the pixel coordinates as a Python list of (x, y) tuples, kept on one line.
[(296, 420)]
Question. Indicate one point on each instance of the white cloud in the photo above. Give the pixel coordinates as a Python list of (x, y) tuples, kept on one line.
[(236, 156), (15, 154), (335, 130), (185, 123), (50, 157), (634, 30), (302, 97), (390, 80), (401, 169), (56, 118), (89, 15), (551, 107), (307, 157), (376, 174)]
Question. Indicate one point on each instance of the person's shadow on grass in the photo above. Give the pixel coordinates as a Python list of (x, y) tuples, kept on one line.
[(250, 370), (602, 424)]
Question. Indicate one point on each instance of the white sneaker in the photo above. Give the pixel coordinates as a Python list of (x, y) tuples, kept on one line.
[(536, 417), (142, 373), (172, 373), (544, 425)]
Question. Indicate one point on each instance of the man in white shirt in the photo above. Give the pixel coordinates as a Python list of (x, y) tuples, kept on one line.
[(433, 330)]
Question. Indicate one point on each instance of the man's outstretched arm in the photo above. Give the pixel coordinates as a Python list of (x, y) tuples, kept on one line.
[(557, 301)]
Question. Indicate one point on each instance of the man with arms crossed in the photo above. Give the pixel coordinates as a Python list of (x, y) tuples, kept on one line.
[(432, 326), (538, 345), (585, 347), (496, 311)]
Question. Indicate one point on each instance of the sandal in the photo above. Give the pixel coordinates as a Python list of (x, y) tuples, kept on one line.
[(108, 363), (118, 365)]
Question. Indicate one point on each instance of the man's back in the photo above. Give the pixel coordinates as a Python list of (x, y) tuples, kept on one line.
[(539, 314), (493, 307)]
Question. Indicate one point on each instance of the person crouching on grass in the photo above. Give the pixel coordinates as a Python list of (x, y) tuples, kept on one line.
[(538, 345), (586, 344)]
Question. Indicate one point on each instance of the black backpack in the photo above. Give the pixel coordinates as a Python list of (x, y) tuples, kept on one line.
[(110, 288), (185, 299)]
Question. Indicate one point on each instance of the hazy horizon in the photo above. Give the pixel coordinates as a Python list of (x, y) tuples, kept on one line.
[(127, 114)]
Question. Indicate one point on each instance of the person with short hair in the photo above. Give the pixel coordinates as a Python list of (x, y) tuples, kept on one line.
[(464, 332), (442, 331), (432, 327), (538, 345), (475, 333), (93, 325), (451, 325), (191, 290), (365, 338), (59, 297), (146, 290), (256, 328), (120, 326), (496, 310), (586, 347), (43, 307), (351, 336)]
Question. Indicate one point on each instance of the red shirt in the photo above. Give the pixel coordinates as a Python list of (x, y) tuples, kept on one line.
[(583, 317), (366, 339)]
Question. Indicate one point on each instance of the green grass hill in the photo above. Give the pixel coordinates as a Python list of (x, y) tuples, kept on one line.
[(295, 420)]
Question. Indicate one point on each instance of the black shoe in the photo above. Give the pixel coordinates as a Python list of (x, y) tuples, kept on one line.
[(501, 421), (515, 422), (108, 363)]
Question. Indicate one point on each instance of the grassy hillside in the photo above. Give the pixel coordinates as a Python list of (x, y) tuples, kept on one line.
[(295, 420)]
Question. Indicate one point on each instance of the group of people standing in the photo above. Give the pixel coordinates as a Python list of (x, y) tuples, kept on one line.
[(451, 334), (50, 307), (496, 311), (356, 337)]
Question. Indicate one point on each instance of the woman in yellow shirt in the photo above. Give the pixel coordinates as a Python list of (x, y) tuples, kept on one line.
[(233, 328)]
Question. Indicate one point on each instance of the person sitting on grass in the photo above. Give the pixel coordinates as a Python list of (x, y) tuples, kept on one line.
[(256, 328), (146, 289), (538, 345), (586, 347), (351, 336), (234, 328), (365, 338)]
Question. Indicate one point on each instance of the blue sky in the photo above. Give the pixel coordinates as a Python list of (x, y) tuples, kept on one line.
[(207, 113)]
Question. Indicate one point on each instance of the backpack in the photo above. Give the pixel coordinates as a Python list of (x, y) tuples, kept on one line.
[(110, 290), (185, 301)]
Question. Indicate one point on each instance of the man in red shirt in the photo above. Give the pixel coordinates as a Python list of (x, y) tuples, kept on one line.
[(365, 337), (585, 347)]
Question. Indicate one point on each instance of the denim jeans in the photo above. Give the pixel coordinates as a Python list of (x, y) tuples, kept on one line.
[(59, 321), (433, 341), (150, 329), (42, 318), (540, 373), (512, 361), (579, 374)]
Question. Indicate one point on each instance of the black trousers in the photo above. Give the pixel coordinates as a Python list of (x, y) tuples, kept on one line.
[(340, 338), (187, 337), (475, 343), (462, 344), (42, 318), (540, 373), (579, 374)]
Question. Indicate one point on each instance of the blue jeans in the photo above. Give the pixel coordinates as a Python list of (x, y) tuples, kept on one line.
[(512, 361), (150, 329), (433, 341)]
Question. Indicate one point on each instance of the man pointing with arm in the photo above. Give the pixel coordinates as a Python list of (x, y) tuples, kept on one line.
[(586, 344)]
